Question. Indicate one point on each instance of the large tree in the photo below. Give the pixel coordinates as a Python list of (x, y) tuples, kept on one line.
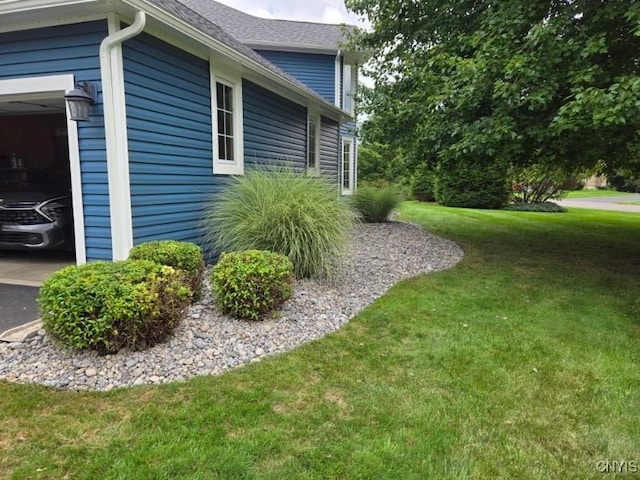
[(513, 81)]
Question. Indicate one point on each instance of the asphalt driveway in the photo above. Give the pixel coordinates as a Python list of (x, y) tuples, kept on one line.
[(17, 306)]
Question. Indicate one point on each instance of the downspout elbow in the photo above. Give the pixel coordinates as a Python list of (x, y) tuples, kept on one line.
[(120, 36)]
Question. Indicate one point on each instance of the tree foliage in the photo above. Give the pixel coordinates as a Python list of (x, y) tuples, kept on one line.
[(544, 82)]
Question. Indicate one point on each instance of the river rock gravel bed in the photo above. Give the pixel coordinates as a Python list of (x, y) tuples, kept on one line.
[(207, 343)]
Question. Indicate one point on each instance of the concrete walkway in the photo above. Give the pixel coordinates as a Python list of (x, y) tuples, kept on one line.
[(616, 203)]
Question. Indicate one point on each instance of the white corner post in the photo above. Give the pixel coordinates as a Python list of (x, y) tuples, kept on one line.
[(337, 77), (115, 125)]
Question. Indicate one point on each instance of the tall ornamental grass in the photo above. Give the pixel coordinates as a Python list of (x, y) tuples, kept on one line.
[(375, 203), (285, 212)]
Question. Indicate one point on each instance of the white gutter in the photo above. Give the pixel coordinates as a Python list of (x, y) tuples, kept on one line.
[(116, 136)]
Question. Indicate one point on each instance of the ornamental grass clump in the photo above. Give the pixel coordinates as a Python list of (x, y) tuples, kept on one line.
[(184, 256), (285, 212), (106, 306), (250, 284), (375, 203)]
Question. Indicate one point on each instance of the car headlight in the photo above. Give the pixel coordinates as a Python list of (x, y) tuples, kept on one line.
[(53, 209)]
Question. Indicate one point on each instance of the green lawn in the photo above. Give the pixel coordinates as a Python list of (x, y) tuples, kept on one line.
[(595, 193), (629, 203), (521, 362)]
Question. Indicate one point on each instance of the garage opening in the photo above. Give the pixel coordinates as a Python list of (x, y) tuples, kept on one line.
[(36, 201)]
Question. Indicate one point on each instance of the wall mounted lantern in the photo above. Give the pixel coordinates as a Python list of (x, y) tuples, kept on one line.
[(80, 99)]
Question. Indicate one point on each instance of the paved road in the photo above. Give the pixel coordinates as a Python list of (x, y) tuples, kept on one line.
[(605, 203)]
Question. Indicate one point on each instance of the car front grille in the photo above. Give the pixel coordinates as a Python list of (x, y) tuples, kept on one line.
[(24, 238), (21, 217)]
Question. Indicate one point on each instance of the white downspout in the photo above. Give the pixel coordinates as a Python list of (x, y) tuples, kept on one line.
[(116, 138)]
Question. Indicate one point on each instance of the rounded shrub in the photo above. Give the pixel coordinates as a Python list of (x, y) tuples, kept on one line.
[(471, 184), (252, 283), (183, 256), (106, 306), (285, 212), (376, 203)]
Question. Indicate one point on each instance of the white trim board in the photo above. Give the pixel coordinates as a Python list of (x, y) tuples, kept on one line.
[(58, 85)]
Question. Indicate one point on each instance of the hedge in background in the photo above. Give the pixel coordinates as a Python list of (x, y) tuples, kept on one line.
[(469, 184), (285, 212), (106, 306), (251, 284), (183, 256), (376, 203), (423, 183)]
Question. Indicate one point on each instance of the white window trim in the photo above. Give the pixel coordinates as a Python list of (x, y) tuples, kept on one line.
[(349, 84), (311, 115), (337, 77), (233, 80), (58, 85), (352, 166)]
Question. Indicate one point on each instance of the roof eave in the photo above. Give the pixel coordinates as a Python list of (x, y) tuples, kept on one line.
[(196, 34)]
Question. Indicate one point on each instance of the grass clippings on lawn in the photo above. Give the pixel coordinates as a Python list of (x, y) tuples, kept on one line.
[(521, 362)]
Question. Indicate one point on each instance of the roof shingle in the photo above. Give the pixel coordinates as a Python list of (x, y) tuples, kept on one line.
[(256, 31)]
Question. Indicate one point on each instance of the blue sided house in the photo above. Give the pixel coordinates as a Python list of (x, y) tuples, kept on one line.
[(144, 108)]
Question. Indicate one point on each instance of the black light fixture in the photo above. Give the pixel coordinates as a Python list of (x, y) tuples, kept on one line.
[(80, 99)]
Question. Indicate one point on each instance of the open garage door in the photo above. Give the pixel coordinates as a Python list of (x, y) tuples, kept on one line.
[(40, 197)]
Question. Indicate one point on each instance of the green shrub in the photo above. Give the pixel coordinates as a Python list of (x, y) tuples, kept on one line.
[(536, 207), (106, 306), (285, 212), (183, 256), (252, 283), (470, 184), (376, 203), (540, 183), (423, 184)]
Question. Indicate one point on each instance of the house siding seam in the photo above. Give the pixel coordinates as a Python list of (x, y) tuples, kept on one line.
[(275, 129), (329, 149), (71, 49), (316, 71), (170, 140)]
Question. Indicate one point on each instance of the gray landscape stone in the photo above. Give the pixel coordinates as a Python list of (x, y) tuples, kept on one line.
[(208, 343)]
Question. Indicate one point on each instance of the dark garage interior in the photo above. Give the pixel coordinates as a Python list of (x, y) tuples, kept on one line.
[(36, 213)]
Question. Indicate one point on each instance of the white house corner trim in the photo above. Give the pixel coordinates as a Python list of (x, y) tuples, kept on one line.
[(115, 124), (336, 80)]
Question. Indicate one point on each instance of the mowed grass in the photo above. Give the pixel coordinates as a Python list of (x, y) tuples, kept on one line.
[(523, 361), (591, 193)]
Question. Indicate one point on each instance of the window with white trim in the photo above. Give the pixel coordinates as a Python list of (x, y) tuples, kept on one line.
[(226, 115), (349, 82), (313, 144), (347, 169)]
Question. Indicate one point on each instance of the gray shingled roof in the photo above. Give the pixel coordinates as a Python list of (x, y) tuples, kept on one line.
[(257, 32), (193, 18)]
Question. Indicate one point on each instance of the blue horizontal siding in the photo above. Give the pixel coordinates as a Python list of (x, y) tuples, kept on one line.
[(62, 50), (170, 140), (275, 129), (315, 71), (329, 148)]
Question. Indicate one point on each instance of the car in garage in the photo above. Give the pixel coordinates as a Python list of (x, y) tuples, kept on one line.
[(36, 215)]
